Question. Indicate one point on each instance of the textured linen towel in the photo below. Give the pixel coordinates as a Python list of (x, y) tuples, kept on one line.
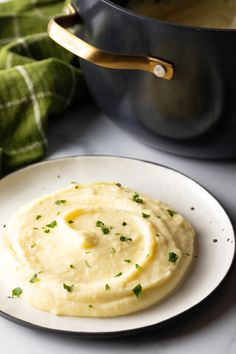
[(38, 79)]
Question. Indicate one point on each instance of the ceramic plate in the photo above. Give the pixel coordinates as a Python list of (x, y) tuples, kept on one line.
[(215, 235)]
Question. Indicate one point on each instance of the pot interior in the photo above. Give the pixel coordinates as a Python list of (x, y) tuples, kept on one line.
[(200, 13)]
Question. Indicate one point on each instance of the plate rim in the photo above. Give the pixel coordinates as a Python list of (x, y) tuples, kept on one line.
[(136, 330)]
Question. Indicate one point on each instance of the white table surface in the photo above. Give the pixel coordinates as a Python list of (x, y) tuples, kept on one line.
[(212, 327)]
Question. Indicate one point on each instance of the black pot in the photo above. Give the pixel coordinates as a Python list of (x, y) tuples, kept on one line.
[(192, 113)]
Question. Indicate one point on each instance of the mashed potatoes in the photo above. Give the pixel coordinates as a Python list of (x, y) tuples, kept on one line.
[(203, 13), (96, 249)]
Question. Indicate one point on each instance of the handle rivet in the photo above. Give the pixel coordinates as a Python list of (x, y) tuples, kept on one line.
[(159, 70)]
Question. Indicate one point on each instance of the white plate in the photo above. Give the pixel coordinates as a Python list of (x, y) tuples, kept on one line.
[(215, 235)]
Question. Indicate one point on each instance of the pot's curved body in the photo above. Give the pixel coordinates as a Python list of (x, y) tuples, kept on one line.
[(194, 113)]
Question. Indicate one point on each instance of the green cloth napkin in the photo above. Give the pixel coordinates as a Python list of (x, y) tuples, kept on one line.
[(38, 79)]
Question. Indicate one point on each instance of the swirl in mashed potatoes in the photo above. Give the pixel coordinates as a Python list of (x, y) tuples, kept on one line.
[(95, 250)]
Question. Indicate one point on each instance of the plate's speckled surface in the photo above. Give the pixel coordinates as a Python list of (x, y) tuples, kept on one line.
[(215, 235)]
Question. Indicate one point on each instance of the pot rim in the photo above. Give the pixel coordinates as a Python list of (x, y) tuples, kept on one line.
[(166, 23)]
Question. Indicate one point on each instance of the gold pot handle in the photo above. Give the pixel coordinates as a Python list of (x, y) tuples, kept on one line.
[(57, 32)]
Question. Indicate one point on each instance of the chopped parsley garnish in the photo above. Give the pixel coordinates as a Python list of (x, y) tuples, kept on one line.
[(127, 260), (87, 264), (46, 231), (145, 215), (60, 201), (70, 221), (158, 217), (72, 266), (136, 198), (34, 278), (157, 235), (137, 266), (59, 212), (118, 274), (16, 292), (69, 288), (137, 290), (4, 225), (35, 228), (76, 187), (38, 217), (107, 287), (124, 223), (173, 257), (52, 224), (105, 230), (90, 306), (74, 182), (123, 238), (99, 223), (118, 184), (171, 212), (33, 245), (113, 250), (87, 252)]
